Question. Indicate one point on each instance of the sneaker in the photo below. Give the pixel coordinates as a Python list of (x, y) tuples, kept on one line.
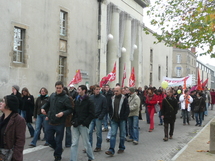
[(57, 158), (135, 142), (170, 137), (109, 153), (97, 149), (196, 124), (129, 140), (46, 144), (104, 130), (32, 145), (165, 139), (120, 151), (160, 124)]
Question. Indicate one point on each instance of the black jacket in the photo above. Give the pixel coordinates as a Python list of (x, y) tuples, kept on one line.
[(123, 109), (28, 106), (100, 105), (58, 103), (169, 108), (83, 111), (19, 97), (200, 102), (39, 103), (108, 95)]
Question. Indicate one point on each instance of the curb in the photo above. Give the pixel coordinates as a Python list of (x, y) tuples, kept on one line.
[(185, 147)]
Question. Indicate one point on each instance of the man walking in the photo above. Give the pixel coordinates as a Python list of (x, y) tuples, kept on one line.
[(58, 107), (83, 115), (133, 118), (100, 104), (118, 113), (168, 113)]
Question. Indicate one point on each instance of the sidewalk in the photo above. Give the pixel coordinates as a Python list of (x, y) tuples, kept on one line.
[(199, 142)]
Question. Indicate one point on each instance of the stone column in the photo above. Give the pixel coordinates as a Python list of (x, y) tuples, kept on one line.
[(212, 137), (126, 57), (113, 45)]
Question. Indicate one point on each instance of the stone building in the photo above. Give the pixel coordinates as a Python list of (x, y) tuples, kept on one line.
[(184, 62), (44, 41)]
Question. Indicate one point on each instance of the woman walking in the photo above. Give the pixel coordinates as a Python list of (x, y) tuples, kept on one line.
[(27, 109), (12, 127)]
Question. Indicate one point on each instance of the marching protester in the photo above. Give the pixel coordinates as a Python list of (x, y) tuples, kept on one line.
[(12, 128), (39, 117), (133, 118), (186, 100), (100, 107), (82, 116), (119, 114), (168, 113), (199, 108), (56, 108), (27, 109), (15, 92), (151, 100), (160, 97)]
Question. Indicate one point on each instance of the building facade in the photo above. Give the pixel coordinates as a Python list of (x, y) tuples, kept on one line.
[(45, 41)]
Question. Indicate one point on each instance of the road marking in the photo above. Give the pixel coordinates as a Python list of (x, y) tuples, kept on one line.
[(30, 150)]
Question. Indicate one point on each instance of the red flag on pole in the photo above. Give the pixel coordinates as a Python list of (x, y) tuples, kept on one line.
[(124, 76), (132, 78), (110, 77), (77, 78), (205, 83), (199, 85)]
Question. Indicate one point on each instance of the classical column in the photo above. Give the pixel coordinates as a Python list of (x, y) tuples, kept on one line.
[(113, 45), (125, 56)]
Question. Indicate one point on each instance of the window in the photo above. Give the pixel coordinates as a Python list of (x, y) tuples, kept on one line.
[(63, 19), (178, 72), (151, 55), (62, 68), (159, 73), (18, 45), (178, 58), (150, 79)]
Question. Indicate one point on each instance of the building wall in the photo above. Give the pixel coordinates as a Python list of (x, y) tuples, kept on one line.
[(41, 20), (186, 65), (160, 53)]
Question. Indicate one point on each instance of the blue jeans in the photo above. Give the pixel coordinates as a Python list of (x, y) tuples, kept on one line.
[(185, 115), (98, 124), (198, 117), (206, 109), (68, 138), (55, 135), (159, 115), (147, 116), (133, 122), (114, 128), (39, 123), (30, 127), (105, 121), (76, 132)]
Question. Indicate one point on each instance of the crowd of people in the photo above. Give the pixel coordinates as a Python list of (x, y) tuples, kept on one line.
[(95, 109)]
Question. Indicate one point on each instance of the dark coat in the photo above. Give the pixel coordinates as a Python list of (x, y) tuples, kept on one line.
[(123, 108), (58, 103), (108, 95), (38, 104), (19, 97), (200, 102), (169, 109), (14, 136), (100, 105), (28, 106), (84, 111)]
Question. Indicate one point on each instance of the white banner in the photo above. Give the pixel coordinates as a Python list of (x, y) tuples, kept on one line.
[(179, 81)]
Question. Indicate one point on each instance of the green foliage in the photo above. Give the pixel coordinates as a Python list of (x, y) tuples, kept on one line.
[(185, 23)]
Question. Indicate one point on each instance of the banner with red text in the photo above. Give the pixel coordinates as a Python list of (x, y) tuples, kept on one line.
[(179, 81)]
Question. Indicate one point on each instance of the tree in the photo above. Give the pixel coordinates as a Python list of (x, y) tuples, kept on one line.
[(185, 23)]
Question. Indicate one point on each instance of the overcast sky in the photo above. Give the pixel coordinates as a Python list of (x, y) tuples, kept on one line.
[(203, 59)]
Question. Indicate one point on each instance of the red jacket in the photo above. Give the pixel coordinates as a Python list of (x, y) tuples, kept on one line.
[(212, 97), (151, 101)]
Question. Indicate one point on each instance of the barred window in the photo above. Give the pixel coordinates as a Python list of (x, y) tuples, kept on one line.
[(62, 68), (18, 47), (63, 19)]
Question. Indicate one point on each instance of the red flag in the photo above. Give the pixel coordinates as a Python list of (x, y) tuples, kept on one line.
[(77, 78), (205, 83), (124, 76), (104, 81), (112, 75), (132, 78), (199, 85)]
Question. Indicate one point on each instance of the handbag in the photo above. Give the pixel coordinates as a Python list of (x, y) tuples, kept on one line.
[(157, 108), (6, 154)]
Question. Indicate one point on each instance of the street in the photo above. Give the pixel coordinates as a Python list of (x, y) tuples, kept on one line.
[(151, 146)]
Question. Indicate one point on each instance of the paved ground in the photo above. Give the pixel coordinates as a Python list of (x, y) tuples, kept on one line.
[(151, 146)]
